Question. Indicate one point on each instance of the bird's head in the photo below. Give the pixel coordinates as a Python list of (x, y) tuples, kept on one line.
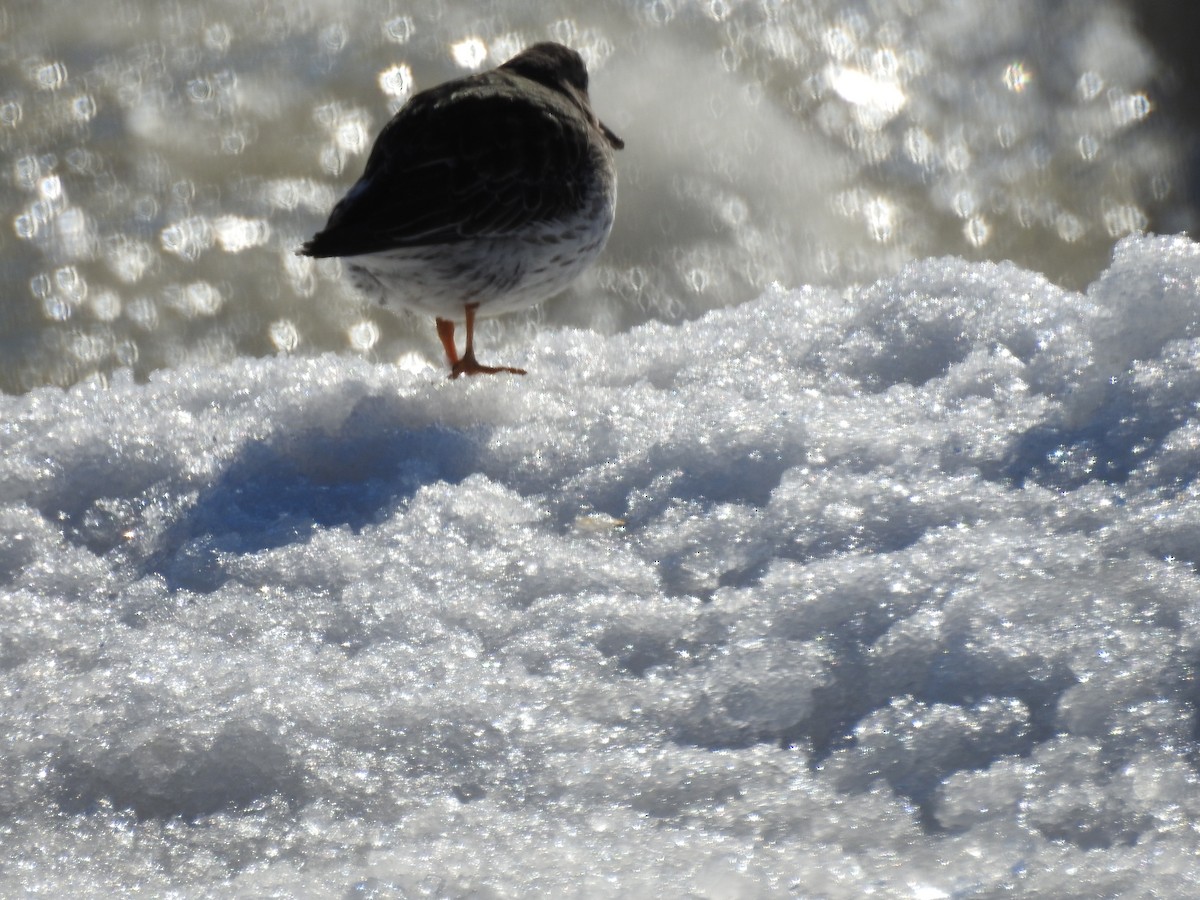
[(560, 69)]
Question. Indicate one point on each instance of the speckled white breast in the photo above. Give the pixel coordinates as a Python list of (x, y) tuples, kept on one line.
[(501, 275)]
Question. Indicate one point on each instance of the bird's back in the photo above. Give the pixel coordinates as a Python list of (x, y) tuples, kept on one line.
[(480, 157)]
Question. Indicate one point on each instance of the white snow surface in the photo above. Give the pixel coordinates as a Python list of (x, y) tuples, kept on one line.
[(885, 591)]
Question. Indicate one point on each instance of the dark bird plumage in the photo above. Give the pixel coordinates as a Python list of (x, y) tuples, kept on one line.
[(484, 195)]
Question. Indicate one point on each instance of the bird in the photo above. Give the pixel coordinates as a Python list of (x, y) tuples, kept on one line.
[(483, 195)]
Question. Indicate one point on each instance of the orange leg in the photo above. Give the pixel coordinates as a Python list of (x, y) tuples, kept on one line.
[(467, 364), (445, 330)]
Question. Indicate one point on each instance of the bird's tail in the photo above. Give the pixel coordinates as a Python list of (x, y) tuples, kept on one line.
[(314, 247)]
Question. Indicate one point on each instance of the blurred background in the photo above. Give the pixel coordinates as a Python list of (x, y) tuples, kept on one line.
[(163, 160)]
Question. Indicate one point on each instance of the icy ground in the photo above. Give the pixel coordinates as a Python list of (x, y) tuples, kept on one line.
[(891, 590)]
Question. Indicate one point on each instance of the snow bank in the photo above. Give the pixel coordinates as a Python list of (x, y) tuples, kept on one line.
[(887, 590)]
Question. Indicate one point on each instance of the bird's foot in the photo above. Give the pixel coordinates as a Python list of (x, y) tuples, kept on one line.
[(469, 366)]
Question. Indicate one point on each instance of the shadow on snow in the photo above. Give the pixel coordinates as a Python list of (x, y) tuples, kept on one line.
[(280, 491)]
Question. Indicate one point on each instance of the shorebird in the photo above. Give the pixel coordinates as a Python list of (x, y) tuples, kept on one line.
[(484, 195)]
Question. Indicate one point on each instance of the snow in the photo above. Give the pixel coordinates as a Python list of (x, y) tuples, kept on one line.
[(820, 554), (887, 590)]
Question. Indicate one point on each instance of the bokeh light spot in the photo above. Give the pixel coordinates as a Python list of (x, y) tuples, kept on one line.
[(285, 336), (469, 53), (399, 30), (363, 335), (1016, 76), (397, 81)]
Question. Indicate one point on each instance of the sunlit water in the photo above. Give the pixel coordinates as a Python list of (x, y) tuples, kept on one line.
[(801, 564), (165, 159)]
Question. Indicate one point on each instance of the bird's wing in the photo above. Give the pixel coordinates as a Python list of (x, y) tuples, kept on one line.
[(484, 157)]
